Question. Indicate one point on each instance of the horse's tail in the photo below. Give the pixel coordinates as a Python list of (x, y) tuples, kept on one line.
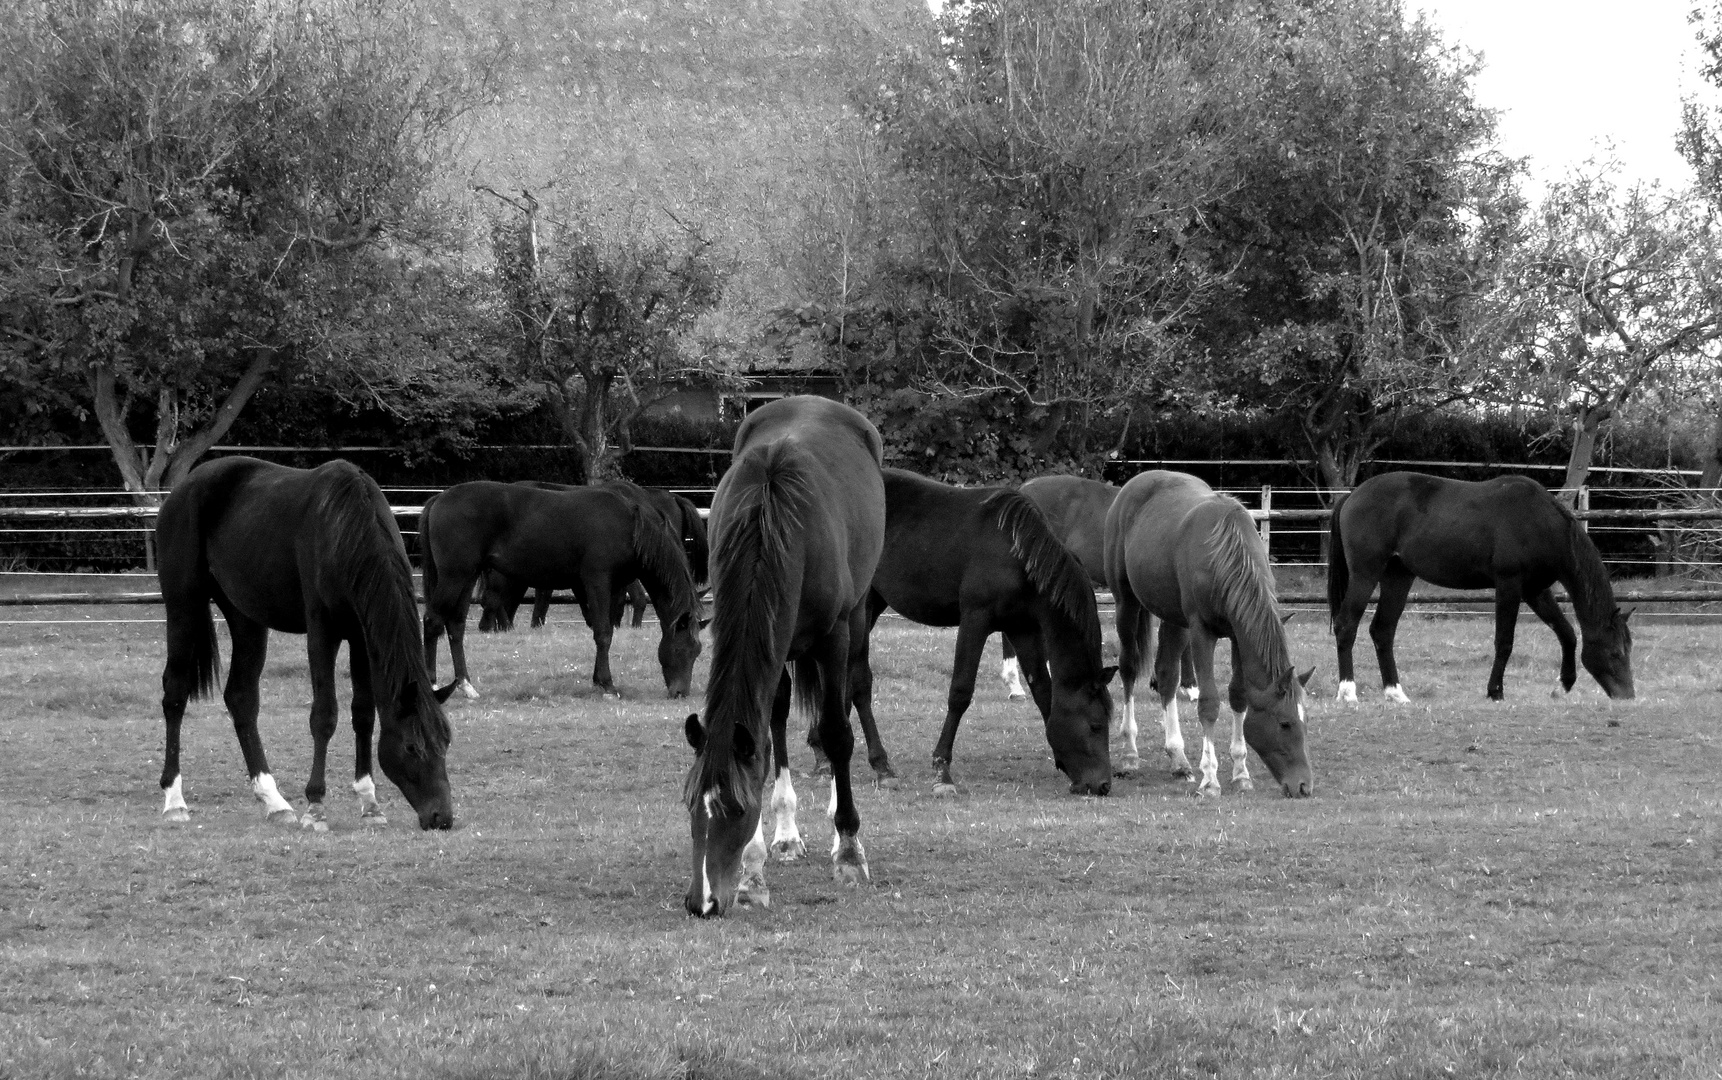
[(1338, 574), (182, 569), (427, 555), (809, 690)]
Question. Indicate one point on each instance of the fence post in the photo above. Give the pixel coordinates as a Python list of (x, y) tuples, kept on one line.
[(1267, 527), (1584, 505)]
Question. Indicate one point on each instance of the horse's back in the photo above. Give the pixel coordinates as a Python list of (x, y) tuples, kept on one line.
[(944, 550), (539, 534), (1454, 533), (1155, 536), (1075, 507)]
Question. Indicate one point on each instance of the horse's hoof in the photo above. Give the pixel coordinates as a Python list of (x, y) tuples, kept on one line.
[(788, 850), (1208, 791), (887, 780), (1130, 766), (374, 818), (284, 816), (467, 690), (1395, 695), (1183, 772), (314, 819), (1347, 693), (944, 791), (1017, 695), (611, 695), (850, 874), (1243, 785), (753, 892), (178, 813)]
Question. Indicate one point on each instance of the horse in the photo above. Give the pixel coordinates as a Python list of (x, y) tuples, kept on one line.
[(1179, 551), (1075, 509), (501, 598), (593, 540), (1508, 533), (984, 561), (302, 551), (797, 525)]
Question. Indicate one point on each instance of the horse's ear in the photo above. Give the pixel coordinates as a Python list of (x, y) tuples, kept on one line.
[(705, 622), (1626, 613), (743, 742), (1287, 617), (1303, 680), (696, 734), (443, 693), (1106, 674)]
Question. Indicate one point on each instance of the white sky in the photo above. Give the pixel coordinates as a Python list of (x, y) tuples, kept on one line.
[(1571, 75)]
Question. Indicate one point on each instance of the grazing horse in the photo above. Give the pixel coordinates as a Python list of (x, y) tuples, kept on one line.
[(1177, 550), (1075, 509), (1508, 533), (592, 540), (314, 552), (797, 525), (984, 561)]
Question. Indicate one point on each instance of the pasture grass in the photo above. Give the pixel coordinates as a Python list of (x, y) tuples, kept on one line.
[(1517, 889)]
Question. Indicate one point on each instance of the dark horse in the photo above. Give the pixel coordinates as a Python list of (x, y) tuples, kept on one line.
[(1508, 533), (313, 552), (502, 597), (796, 526), (984, 561), (592, 540), (1177, 550), (1075, 509)]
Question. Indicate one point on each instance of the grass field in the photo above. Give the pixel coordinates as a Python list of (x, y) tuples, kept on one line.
[(1521, 889)]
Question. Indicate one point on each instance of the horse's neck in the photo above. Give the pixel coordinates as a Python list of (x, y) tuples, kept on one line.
[(1592, 597), (1064, 641), (1260, 639)]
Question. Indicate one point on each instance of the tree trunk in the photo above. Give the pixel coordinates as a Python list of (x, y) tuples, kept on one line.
[(1586, 425), (602, 460)]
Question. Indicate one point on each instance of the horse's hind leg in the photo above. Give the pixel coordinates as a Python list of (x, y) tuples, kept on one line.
[(831, 654), (320, 648), (786, 841), (1011, 672), (1166, 664), (1508, 593), (861, 690), (540, 606), (1549, 610), (965, 664), (1395, 588), (364, 723), (1135, 638), (250, 644), (178, 682)]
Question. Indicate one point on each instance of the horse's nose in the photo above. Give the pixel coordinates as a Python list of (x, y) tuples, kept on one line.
[(700, 908), (1299, 791), (1085, 788), (437, 819)]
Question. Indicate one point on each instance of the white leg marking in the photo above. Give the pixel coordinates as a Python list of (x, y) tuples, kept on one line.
[(1132, 757), (1347, 692), (1395, 693), (370, 810), (1241, 753), (1194, 693), (1210, 768), (752, 889), (1011, 672), (270, 796), (786, 841), (1174, 734), (831, 807), (174, 809), (466, 689)]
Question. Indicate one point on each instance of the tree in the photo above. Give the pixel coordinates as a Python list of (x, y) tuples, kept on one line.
[(599, 320), (1365, 232), (203, 196), (1610, 291)]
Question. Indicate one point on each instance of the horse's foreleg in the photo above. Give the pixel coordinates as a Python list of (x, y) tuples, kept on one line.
[(848, 857), (1166, 662), (595, 605), (1187, 677), (1207, 706), (971, 639), (786, 841), (1395, 588), (250, 644), (1549, 610), (320, 649), (1011, 672), (540, 606), (861, 687), (1507, 596), (1135, 638), (1235, 697), (364, 723)]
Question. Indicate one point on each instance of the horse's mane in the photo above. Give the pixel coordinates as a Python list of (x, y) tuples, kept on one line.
[(1591, 591), (1054, 571), (380, 582), (662, 560), (768, 494), (694, 529), (1244, 583)]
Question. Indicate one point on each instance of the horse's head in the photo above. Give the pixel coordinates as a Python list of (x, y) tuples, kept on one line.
[(1607, 655), (677, 651), (414, 763), (1274, 728), (1079, 731), (722, 823)]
